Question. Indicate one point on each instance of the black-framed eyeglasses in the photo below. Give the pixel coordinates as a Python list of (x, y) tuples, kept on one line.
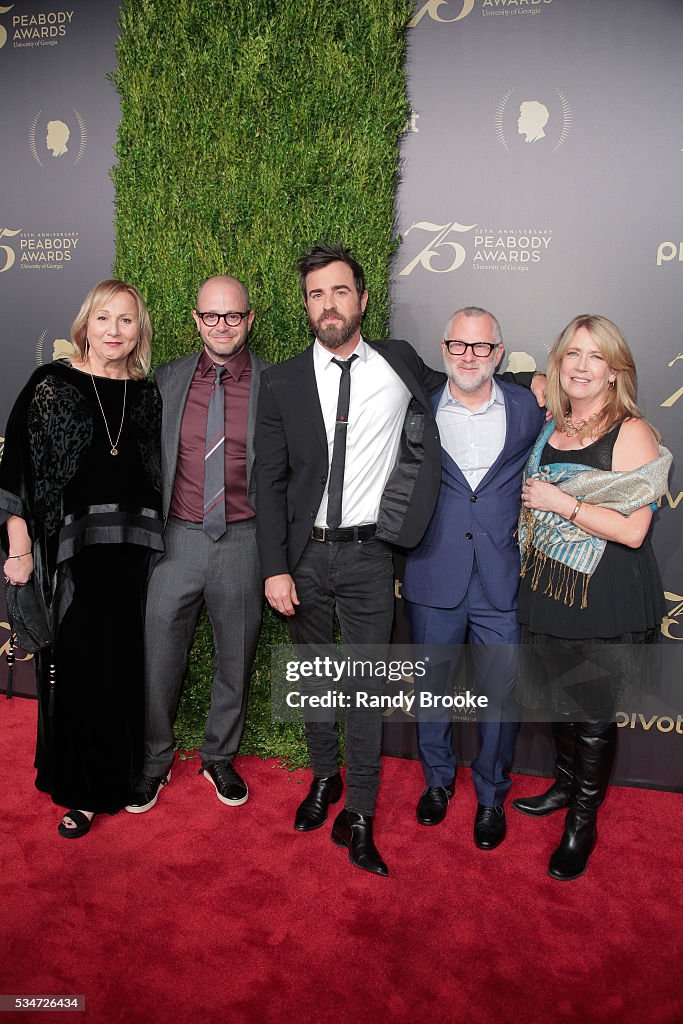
[(232, 319), (479, 348)]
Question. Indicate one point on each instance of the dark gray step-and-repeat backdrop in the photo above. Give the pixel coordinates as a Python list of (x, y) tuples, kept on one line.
[(58, 120), (541, 168)]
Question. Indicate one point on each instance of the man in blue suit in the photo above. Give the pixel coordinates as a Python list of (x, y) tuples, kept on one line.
[(461, 581)]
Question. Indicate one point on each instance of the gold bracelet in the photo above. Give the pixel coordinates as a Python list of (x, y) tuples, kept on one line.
[(20, 556), (576, 511)]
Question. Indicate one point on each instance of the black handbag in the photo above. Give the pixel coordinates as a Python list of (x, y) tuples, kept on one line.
[(28, 616)]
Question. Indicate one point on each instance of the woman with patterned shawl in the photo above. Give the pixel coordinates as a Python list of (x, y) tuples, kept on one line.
[(591, 593), (81, 507)]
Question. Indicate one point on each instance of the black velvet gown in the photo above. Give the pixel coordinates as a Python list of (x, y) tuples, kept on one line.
[(95, 522)]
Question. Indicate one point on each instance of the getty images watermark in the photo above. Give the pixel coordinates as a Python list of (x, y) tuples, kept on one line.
[(476, 682), (323, 682), (349, 673)]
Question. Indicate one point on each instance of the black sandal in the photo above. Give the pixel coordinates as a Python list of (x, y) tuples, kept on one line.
[(80, 820)]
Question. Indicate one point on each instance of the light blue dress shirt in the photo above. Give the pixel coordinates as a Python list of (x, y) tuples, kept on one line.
[(473, 439)]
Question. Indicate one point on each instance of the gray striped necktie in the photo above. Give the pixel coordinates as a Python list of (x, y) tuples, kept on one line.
[(214, 461)]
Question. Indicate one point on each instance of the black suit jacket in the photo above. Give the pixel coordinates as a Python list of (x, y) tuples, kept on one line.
[(291, 465)]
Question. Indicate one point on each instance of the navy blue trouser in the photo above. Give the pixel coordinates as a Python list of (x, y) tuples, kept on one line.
[(477, 622)]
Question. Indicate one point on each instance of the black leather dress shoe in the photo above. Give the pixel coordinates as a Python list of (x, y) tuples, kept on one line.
[(312, 811), (489, 827), (433, 804), (354, 831)]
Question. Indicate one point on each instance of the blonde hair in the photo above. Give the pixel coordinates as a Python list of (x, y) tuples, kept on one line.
[(620, 401), (140, 359)]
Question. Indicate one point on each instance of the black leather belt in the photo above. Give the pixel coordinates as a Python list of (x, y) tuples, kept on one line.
[(357, 533)]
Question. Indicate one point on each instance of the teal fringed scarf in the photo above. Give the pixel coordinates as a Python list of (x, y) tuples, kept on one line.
[(546, 537)]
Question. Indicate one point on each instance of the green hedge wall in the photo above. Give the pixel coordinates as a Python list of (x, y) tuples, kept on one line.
[(249, 130)]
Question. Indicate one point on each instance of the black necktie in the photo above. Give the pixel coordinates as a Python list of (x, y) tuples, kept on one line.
[(336, 481), (214, 461)]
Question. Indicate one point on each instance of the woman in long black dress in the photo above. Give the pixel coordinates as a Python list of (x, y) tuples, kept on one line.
[(589, 573), (80, 500)]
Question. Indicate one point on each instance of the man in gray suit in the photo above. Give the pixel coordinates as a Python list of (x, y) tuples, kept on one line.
[(207, 454)]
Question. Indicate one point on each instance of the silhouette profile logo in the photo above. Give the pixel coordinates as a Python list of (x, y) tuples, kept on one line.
[(520, 362), (58, 134), (533, 117), (547, 121), (61, 348), (55, 138), (3, 30)]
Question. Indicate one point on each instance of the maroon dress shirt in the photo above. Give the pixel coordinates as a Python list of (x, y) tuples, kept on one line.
[(188, 488)]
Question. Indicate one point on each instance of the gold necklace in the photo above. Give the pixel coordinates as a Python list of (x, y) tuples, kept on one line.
[(114, 448), (571, 429)]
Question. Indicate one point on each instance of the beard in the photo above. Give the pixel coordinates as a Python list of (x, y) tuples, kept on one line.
[(334, 336), (467, 380)]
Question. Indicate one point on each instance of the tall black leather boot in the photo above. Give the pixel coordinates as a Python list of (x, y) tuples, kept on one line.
[(596, 744), (557, 797)]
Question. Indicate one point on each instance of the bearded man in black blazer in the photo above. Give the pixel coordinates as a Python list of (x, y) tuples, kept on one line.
[(336, 487)]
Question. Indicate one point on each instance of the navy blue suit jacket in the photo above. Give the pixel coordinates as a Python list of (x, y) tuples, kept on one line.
[(477, 523)]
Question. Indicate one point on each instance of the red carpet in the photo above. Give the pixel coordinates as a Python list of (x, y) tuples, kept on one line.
[(196, 912)]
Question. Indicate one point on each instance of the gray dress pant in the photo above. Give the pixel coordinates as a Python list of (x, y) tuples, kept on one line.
[(224, 575)]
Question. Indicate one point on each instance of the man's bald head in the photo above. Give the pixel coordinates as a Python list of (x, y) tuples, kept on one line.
[(224, 279)]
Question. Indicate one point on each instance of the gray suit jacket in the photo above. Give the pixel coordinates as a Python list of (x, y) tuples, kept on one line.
[(173, 380)]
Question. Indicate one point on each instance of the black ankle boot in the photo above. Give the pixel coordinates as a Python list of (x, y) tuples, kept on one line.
[(354, 831), (557, 797), (596, 744), (312, 811), (570, 859)]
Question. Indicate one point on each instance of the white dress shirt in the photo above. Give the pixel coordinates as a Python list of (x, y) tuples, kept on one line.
[(378, 404), (473, 439)]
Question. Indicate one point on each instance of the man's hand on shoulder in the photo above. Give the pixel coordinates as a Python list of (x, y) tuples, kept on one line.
[(539, 383), (281, 593)]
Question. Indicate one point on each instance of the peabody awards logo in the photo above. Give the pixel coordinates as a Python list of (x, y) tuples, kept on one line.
[(58, 348), (432, 8), (448, 11), (539, 120), (510, 8), (503, 249), (44, 28), (3, 30), (8, 256), (512, 249), (53, 139), (37, 250), (442, 254)]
